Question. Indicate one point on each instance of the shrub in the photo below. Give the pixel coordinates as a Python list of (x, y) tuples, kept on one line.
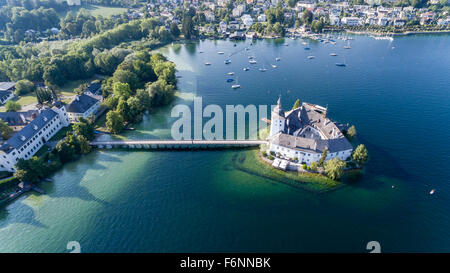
[(334, 168), (314, 166), (360, 154)]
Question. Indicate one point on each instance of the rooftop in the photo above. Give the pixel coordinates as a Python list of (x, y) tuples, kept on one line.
[(19, 118), (6, 85), (21, 137), (4, 94), (81, 104)]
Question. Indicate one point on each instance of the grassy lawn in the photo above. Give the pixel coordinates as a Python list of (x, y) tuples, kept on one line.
[(42, 151), (26, 99), (61, 133), (67, 89), (22, 100), (97, 10), (104, 11), (4, 174), (100, 123), (250, 162)]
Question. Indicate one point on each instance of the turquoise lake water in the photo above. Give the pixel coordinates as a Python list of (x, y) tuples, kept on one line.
[(397, 94)]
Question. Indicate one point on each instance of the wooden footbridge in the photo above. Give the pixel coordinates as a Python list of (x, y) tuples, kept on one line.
[(156, 144)]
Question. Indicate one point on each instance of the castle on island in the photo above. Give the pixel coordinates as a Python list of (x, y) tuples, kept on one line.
[(303, 133)]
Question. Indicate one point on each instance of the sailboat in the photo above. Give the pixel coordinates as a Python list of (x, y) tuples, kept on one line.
[(311, 57), (341, 64), (227, 61), (333, 54), (277, 59), (237, 85), (348, 45), (252, 61)]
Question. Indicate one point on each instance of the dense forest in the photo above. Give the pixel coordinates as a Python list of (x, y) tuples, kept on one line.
[(34, 20), (59, 62)]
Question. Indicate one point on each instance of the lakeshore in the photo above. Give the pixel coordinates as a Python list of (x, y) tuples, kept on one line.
[(204, 205), (405, 33)]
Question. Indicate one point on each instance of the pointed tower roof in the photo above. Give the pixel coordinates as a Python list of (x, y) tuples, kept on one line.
[(278, 110)]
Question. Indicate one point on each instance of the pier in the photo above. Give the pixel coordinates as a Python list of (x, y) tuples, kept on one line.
[(156, 144), (23, 188)]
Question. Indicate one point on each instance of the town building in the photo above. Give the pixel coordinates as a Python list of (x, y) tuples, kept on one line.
[(6, 91), (82, 106), (25, 143), (350, 21), (18, 120), (302, 134)]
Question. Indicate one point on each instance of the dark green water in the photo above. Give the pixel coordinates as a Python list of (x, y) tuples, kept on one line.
[(120, 201)]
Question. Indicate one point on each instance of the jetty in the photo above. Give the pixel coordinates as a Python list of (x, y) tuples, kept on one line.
[(176, 144), (23, 188)]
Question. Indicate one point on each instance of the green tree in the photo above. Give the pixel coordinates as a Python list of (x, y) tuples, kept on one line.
[(126, 76), (317, 26), (314, 166), (84, 128), (124, 110), (43, 95), (161, 93), (12, 106), (68, 148), (114, 121), (122, 90), (323, 157), (188, 27), (174, 30), (296, 104), (360, 154), (30, 170), (5, 131), (144, 99), (307, 17), (351, 132), (24, 87), (135, 109), (334, 168), (84, 144)]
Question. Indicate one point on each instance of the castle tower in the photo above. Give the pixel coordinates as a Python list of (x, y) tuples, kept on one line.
[(277, 119)]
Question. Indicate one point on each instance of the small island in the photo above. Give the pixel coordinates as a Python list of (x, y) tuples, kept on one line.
[(305, 149)]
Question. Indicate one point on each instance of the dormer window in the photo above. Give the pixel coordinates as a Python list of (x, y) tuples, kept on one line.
[(45, 118), (23, 138), (35, 127)]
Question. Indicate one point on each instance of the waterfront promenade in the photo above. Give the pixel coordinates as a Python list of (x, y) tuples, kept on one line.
[(176, 144)]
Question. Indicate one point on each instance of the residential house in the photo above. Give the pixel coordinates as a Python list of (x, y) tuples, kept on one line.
[(25, 143), (82, 106)]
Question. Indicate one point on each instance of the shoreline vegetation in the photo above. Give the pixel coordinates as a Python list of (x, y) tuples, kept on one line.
[(257, 162), (405, 33), (252, 163), (135, 82)]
